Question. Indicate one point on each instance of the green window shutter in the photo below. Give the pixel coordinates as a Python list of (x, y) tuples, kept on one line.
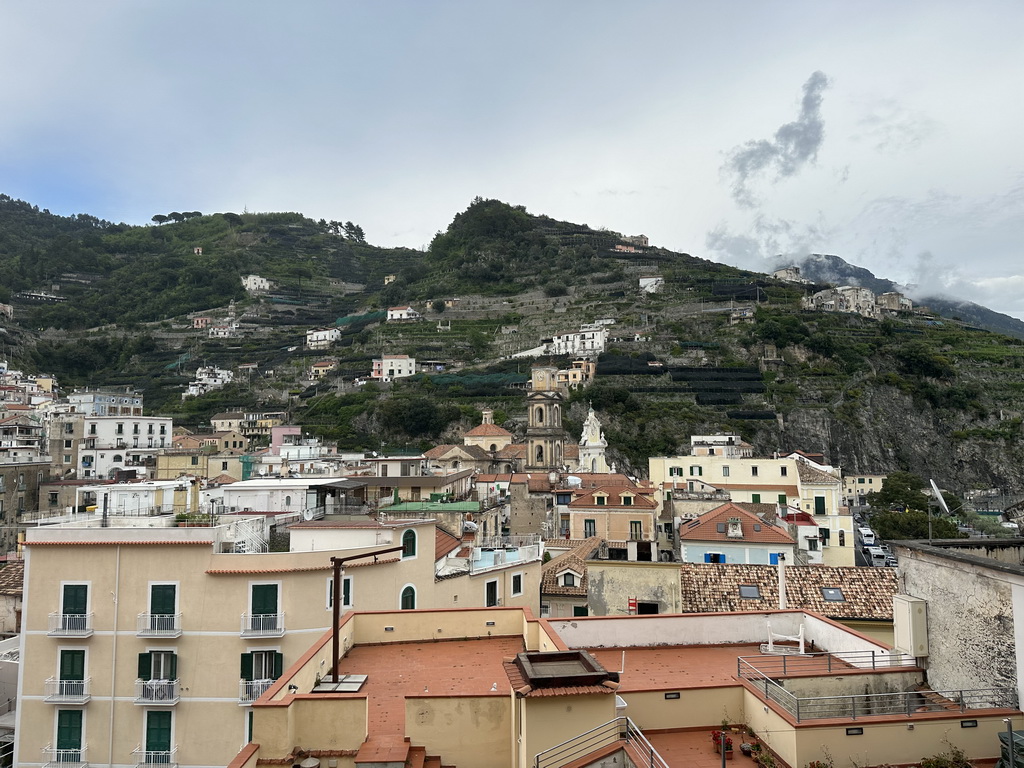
[(174, 666), (264, 599), (72, 665), (782, 499), (69, 729), (158, 731), (246, 666), (76, 598), (755, 498), (145, 666), (346, 592), (278, 665), (161, 599)]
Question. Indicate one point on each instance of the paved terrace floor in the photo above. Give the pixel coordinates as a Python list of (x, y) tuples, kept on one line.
[(447, 668)]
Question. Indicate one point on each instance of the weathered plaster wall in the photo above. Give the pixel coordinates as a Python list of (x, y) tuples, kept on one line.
[(610, 585)]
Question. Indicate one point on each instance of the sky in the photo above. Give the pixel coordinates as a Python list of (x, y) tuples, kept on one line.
[(887, 133)]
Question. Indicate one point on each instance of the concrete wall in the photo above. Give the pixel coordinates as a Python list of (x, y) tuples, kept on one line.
[(971, 627), (695, 708), (463, 730), (610, 584)]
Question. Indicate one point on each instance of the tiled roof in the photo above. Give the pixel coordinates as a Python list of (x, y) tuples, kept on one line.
[(809, 474), (705, 527), (444, 543), (523, 688), (868, 592), (512, 451), (471, 451), (12, 578), (488, 430), (575, 560), (767, 512)]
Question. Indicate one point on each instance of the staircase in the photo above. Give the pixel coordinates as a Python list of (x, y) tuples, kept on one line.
[(393, 751)]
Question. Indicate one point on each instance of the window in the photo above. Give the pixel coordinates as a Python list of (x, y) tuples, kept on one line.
[(696, 471), (287, 501), (163, 429), (720, 527), (517, 584), (263, 614), (833, 594), (675, 471), (755, 498), (491, 593), (812, 545), (714, 557), (725, 471), (69, 428), (223, 466), (120, 429), (569, 580), (163, 605), (563, 498), (158, 736), (53, 499), (782, 499), (383, 470), (67, 443), (824, 534), (74, 606), (636, 530), (842, 538), (118, 458), (135, 429), (158, 665), (589, 528), (92, 429), (819, 505), (346, 592), (149, 429), (860, 481), (262, 665), (69, 735), (409, 598), (545, 610), (753, 471), (195, 461), (580, 610), (72, 673), (67, 458), (409, 543), (750, 592), (784, 471), (773, 558), (599, 500)]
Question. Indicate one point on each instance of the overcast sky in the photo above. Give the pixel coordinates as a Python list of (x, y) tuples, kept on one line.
[(888, 133)]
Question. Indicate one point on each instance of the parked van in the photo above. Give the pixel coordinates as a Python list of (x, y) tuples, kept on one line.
[(867, 536)]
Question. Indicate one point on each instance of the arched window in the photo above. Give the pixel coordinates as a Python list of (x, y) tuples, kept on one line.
[(409, 598), (494, 447), (540, 415), (287, 501), (117, 458), (540, 454), (409, 543)]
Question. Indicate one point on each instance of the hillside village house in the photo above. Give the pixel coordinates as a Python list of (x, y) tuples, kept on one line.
[(231, 329), (390, 367), (320, 369), (730, 534), (101, 446), (322, 338), (402, 313), (857, 487), (622, 514), (254, 284), (106, 402)]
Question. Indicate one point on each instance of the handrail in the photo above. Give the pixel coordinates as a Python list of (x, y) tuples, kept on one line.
[(620, 729)]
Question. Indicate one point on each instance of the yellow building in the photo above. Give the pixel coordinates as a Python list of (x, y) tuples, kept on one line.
[(175, 462), (152, 646)]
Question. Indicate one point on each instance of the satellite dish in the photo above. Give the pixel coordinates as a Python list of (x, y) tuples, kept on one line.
[(307, 514)]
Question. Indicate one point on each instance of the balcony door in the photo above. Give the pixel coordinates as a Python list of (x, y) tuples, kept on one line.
[(69, 736), (264, 607), (72, 673), (158, 737), (162, 605)]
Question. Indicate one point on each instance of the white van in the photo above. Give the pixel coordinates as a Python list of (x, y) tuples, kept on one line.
[(867, 536)]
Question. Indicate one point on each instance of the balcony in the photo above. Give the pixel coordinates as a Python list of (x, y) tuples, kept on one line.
[(262, 625), (250, 690), (68, 691), (157, 692), (70, 625), (65, 758), (158, 625), (144, 758)]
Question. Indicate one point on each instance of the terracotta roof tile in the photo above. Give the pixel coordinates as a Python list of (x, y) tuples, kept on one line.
[(809, 474), (444, 543), (615, 494), (12, 578), (705, 527), (523, 688), (575, 560), (867, 592), (488, 430)]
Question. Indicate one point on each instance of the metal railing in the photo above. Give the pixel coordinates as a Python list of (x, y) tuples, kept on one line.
[(906, 703), (70, 625), (262, 624), (163, 692), (65, 758), (158, 625), (151, 757), (621, 729), (250, 690), (67, 691), (785, 663)]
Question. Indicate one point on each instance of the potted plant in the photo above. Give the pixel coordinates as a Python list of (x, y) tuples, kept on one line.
[(720, 738)]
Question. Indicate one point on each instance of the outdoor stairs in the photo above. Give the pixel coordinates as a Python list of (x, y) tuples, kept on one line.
[(394, 751)]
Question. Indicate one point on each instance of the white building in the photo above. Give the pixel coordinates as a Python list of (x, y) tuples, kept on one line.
[(590, 339), (254, 284), (321, 338), (105, 402), (389, 367), (403, 313), (110, 443), (228, 330), (208, 379)]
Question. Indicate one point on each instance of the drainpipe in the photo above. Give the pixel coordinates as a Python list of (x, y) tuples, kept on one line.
[(782, 582)]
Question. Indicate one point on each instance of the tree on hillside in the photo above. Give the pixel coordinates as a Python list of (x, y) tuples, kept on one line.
[(894, 526), (900, 489), (233, 219), (159, 218), (354, 232), (175, 216)]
